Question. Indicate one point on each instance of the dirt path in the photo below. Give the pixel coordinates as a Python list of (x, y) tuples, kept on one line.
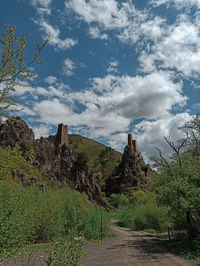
[(135, 248), (127, 248)]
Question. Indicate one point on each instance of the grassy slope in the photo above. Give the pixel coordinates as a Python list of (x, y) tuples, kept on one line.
[(102, 159)]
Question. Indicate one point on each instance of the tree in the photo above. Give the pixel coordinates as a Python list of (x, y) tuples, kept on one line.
[(14, 67), (178, 182), (192, 129)]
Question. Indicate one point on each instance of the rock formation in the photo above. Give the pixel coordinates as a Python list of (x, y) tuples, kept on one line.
[(53, 157), (132, 173), (62, 136)]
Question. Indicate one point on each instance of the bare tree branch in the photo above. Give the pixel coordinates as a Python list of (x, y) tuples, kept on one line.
[(164, 160)]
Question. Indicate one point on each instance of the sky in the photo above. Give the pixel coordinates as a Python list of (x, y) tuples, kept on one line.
[(112, 67)]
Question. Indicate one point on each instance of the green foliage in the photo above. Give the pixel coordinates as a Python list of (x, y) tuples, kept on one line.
[(190, 249), (143, 212), (14, 67), (178, 189), (65, 252), (118, 200), (82, 159), (12, 160), (30, 216)]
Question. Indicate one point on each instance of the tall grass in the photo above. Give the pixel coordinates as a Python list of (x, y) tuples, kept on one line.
[(27, 215)]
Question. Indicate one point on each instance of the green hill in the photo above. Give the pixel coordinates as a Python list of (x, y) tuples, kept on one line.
[(102, 159)]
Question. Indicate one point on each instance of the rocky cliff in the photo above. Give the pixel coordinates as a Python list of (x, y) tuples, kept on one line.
[(53, 157), (132, 173)]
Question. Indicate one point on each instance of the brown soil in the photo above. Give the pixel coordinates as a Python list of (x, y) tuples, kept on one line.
[(132, 248)]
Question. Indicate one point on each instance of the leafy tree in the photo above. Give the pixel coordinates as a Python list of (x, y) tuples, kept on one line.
[(178, 181), (14, 67)]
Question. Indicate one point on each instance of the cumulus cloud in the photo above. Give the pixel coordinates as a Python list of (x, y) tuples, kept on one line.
[(50, 79), (52, 111), (23, 89), (150, 134), (123, 17), (151, 96), (178, 48), (112, 103), (118, 141), (41, 131), (54, 32), (165, 46), (104, 12)]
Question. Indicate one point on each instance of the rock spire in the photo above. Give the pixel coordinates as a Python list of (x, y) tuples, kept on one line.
[(62, 135), (132, 173)]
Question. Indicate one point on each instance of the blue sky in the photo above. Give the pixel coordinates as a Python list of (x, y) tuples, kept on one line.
[(112, 67)]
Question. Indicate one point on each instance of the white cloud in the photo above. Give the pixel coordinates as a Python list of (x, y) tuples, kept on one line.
[(165, 46), (51, 112), (197, 106), (42, 91), (153, 133), (50, 79), (118, 141), (54, 32), (104, 12), (21, 90), (109, 15), (68, 67), (177, 3), (112, 103), (42, 6), (178, 48), (96, 33), (113, 66), (151, 96), (25, 110), (41, 131), (42, 3)]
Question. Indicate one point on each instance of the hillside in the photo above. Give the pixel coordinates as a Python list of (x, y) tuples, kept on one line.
[(102, 159)]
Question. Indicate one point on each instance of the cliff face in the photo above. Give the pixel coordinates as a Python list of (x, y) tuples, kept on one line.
[(53, 157), (132, 173)]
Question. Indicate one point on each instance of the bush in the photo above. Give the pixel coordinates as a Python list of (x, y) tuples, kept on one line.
[(142, 213), (12, 160), (118, 200)]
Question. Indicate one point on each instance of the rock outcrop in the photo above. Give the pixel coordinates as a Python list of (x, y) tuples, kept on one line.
[(132, 173), (53, 157)]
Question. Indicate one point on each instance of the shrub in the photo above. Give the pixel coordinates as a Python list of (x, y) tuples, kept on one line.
[(118, 200), (143, 212), (12, 160)]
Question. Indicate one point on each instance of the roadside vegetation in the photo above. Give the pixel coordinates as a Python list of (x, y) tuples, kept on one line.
[(173, 205), (30, 216)]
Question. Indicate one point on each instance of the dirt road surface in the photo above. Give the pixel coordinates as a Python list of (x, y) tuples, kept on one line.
[(132, 248)]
